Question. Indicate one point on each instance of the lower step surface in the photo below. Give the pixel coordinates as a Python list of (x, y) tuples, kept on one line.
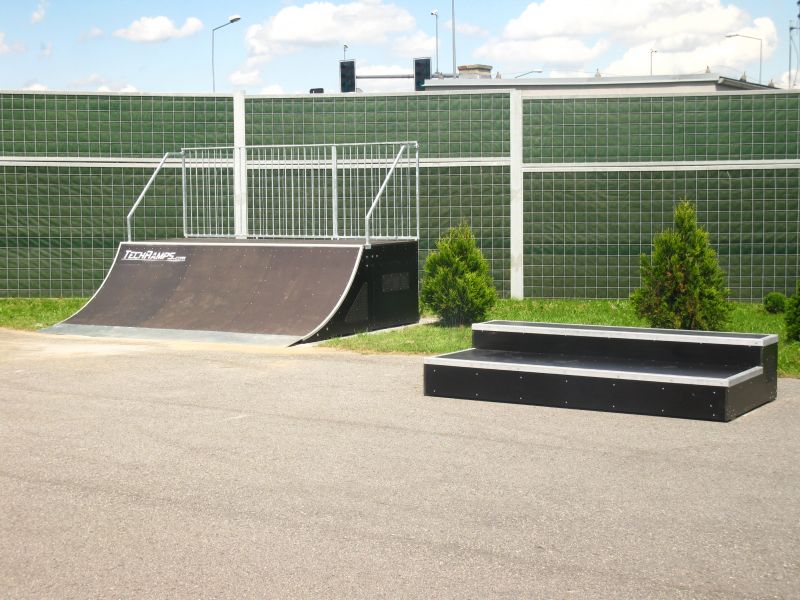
[(690, 391)]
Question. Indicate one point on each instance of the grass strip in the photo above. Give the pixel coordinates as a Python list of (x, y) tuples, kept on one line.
[(31, 314)]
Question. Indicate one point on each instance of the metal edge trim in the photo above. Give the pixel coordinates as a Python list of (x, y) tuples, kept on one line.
[(663, 335), (745, 376), (243, 244), (343, 296), (725, 382), (178, 335), (97, 291)]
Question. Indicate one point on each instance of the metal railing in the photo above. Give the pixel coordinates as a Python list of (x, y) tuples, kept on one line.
[(129, 217), (317, 191)]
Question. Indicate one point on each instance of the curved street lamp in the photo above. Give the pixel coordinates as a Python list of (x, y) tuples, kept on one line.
[(760, 49), (232, 19), (435, 14)]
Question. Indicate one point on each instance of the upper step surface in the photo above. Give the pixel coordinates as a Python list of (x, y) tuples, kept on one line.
[(629, 333)]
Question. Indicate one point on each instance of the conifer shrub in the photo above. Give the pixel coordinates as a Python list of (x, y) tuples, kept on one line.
[(456, 284), (792, 316), (775, 302), (682, 284)]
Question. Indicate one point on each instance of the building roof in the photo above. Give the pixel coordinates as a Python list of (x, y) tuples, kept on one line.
[(709, 81)]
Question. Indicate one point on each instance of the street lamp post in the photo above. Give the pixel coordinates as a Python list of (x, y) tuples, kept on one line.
[(652, 51), (792, 29), (453, 11), (344, 51), (232, 19), (528, 73), (760, 49), (435, 13)]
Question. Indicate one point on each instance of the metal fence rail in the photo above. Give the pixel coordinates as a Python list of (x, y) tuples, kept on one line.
[(313, 191), (208, 191)]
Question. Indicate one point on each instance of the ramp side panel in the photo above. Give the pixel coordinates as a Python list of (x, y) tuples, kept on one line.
[(384, 293), (263, 289)]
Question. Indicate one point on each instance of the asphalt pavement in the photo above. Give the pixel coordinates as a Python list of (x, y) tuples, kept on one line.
[(134, 469)]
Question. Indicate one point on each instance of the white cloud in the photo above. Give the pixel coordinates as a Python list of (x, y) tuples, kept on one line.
[(100, 83), (92, 34), (315, 24), (552, 50), (582, 34), (35, 87), (467, 29), (729, 55), (125, 87), (40, 12), (274, 89), (158, 29), (415, 45), (783, 80), (325, 23), (634, 20), (6, 48), (245, 77), (46, 50)]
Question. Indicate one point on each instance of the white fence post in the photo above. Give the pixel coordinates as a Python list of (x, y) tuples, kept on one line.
[(516, 212), (239, 168), (334, 193)]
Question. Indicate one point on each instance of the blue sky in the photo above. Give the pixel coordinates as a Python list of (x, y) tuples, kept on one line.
[(288, 47)]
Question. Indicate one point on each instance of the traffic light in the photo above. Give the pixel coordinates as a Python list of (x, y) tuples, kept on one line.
[(422, 71), (347, 75)]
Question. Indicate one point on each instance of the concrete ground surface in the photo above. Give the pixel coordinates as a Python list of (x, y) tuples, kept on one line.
[(175, 470)]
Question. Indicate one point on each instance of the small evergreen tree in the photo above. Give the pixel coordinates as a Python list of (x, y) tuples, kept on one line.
[(683, 286), (456, 283), (775, 302), (793, 315)]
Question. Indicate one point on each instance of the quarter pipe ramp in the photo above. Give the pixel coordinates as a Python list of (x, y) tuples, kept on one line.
[(274, 293)]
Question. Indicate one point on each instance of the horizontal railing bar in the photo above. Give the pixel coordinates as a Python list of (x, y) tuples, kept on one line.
[(395, 76), (413, 144)]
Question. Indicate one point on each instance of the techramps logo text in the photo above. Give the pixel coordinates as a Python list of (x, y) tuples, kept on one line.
[(152, 256)]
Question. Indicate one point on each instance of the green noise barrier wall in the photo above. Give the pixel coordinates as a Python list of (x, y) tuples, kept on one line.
[(597, 177)]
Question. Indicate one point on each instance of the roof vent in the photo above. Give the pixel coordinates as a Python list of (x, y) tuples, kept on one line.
[(475, 72)]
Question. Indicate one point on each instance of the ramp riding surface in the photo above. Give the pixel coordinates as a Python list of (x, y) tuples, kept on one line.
[(278, 293)]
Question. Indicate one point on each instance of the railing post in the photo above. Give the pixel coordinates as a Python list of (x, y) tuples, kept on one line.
[(334, 193), (183, 192), (516, 193), (417, 177)]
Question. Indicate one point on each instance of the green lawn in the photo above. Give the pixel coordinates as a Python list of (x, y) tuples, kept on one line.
[(32, 314), (35, 313)]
